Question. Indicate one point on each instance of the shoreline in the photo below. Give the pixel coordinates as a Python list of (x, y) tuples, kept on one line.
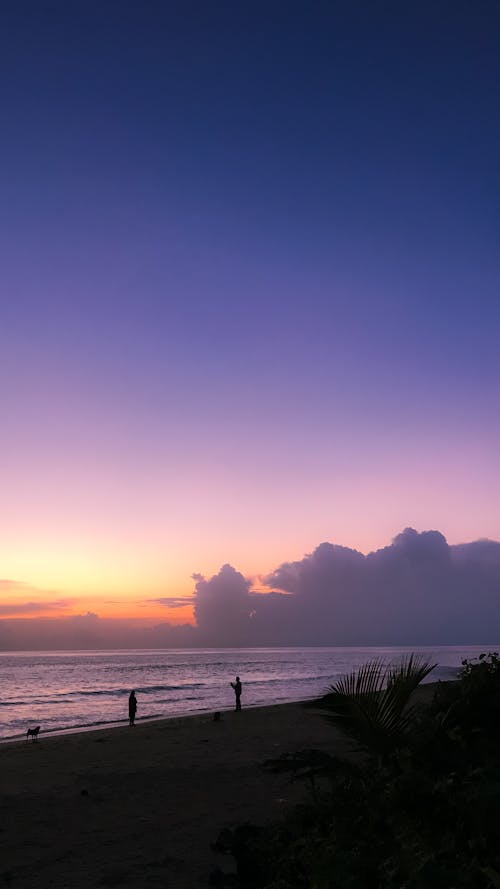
[(188, 714), (143, 720)]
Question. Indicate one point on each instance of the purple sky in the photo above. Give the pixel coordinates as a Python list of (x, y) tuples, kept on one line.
[(250, 287)]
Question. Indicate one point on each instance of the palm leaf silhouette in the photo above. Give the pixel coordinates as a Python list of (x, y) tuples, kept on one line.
[(372, 704)]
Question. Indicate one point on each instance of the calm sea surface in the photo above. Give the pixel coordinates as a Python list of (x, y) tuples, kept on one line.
[(67, 689)]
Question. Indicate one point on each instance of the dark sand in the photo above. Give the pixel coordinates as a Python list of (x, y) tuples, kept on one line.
[(134, 807)]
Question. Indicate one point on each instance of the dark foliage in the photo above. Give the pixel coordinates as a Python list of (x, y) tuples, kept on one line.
[(424, 816), (373, 704)]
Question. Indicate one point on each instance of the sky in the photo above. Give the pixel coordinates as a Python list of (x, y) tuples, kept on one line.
[(249, 294)]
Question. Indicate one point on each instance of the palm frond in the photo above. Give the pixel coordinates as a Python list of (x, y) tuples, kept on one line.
[(372, 703)]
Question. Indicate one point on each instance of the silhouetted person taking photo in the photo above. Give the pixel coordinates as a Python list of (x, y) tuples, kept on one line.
[(132, 708), (237, 690)]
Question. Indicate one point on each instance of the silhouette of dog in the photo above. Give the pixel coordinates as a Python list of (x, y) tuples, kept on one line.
[(34, 732)]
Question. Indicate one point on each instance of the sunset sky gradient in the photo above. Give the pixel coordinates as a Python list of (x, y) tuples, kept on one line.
[(250, 290)]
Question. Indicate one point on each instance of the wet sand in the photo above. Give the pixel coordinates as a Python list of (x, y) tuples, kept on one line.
[(134, 807)]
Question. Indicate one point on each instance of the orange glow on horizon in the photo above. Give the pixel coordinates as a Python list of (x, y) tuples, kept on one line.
[(22, 601), (139, 615)]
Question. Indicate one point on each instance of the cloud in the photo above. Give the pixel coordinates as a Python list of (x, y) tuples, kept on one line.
[(89, 631), (229, 612), (34, 607), (223, 604), (417, 590), (90, 617), (316, 572), (172, 601)]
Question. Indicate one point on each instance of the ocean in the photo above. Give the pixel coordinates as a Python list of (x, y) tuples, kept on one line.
[(64, 690)]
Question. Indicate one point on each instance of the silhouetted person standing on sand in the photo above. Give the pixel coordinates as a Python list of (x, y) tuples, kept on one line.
[(237, 690), (132, 707)]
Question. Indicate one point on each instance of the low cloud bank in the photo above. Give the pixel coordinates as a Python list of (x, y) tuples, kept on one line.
[(418, 590), (89, 631), (35, 607)]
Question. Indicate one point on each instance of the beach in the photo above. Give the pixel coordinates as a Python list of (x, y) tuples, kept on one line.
[(140, 806)]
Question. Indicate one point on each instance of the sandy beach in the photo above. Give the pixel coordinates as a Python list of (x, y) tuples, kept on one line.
[(140, 806)]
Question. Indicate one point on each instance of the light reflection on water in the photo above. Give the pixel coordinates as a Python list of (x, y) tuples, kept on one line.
[(60, 690)]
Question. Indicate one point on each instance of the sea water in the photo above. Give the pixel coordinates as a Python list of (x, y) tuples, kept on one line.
[(65, 690)]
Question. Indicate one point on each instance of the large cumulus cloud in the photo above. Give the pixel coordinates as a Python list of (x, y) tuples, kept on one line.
[(226, 608), (417, 590)]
